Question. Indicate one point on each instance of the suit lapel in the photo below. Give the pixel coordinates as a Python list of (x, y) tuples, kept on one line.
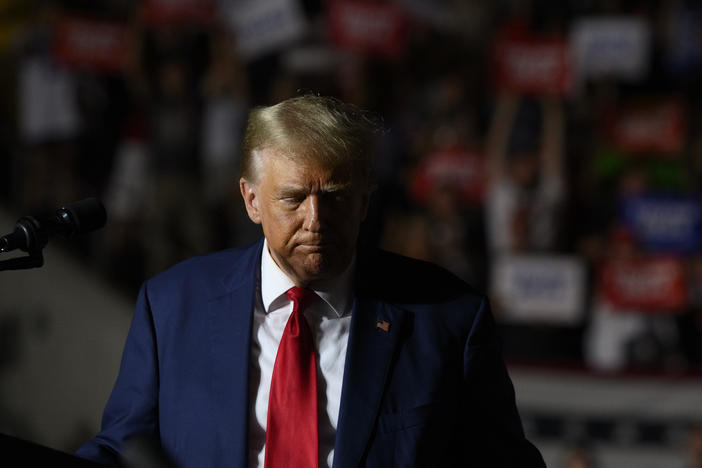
[(368, 360), (230, 315)]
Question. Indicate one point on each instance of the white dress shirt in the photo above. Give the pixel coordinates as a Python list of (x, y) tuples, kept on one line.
[(329, 320)]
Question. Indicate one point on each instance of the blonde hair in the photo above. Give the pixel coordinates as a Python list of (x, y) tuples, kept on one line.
[(312, 128)]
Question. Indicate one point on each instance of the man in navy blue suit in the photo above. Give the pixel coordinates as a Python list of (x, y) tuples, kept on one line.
[(408, 366)]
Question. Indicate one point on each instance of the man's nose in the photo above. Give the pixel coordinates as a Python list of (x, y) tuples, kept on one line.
[(314, 213)]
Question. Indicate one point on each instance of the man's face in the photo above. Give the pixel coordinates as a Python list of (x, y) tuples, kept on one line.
[(310, 214)]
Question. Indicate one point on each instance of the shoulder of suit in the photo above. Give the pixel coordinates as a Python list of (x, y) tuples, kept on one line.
[(209, 269), (396, 278)]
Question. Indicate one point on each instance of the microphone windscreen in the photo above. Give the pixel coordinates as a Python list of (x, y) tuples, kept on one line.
[(86, 215)]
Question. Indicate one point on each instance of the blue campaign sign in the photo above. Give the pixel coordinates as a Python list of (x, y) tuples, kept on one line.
[(665, 223)]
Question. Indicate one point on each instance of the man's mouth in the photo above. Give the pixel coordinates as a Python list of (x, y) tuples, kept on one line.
[(314, 245)]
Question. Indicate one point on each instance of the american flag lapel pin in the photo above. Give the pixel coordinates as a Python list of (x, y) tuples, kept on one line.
[(382, 324)]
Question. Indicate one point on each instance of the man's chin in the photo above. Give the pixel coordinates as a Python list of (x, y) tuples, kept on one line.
[(319, 267)]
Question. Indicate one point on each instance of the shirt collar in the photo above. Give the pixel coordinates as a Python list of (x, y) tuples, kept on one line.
[(274, 283)]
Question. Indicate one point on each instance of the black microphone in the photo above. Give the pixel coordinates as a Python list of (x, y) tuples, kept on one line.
[(31, 234)]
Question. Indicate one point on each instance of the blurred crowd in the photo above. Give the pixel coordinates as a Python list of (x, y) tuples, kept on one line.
[(548, 153)]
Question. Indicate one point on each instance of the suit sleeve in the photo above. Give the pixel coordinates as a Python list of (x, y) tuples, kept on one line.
[(491, 419), (132, 409)]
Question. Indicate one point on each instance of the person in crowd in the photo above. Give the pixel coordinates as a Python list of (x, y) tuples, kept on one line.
[(526, 181)]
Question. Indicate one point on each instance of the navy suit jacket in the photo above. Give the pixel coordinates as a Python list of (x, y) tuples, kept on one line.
[(432, 390)]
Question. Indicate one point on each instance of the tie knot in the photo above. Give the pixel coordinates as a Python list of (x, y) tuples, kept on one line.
[(300, 296)]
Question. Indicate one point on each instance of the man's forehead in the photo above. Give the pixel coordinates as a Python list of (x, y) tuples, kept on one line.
[(285, 165), (306, 180)]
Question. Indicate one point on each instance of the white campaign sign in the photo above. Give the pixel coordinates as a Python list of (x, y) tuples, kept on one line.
[(264, 26), (539, 288), (611, 46)]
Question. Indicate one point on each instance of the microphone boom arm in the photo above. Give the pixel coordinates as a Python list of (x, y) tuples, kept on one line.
[(27, 236)]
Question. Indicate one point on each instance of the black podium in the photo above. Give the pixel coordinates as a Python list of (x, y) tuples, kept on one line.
[(21, 453)]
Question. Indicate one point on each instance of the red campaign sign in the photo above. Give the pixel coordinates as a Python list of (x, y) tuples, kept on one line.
[(94, 44), (536, 66), (650, 285), (658, 127), (459, 169), (168, 12), (368, 27)]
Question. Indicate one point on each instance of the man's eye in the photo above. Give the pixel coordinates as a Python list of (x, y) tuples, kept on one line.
[(292, 200), (339, 196)]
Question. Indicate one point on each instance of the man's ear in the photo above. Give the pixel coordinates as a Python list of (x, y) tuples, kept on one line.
[(250, 196)]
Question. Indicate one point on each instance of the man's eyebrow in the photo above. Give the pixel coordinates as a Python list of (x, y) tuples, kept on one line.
[(340, 187), (297, 190)]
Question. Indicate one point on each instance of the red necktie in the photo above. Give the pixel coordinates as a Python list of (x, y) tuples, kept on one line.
[(291, 431)]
